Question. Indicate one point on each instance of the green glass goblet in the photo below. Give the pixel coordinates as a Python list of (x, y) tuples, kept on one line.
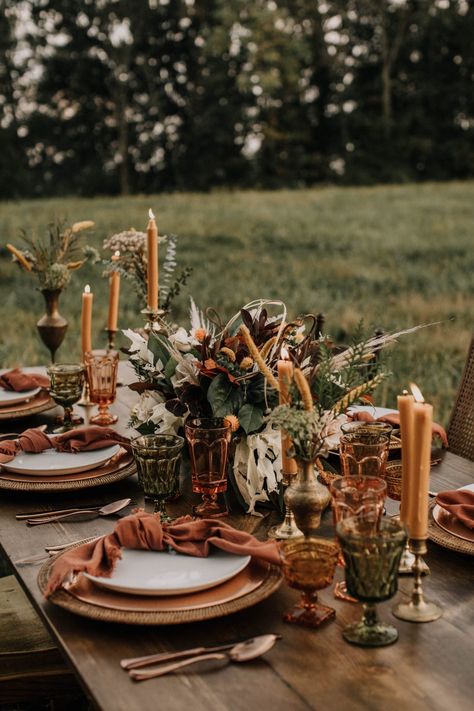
[(158, 460), (66, 381), (371, 558)]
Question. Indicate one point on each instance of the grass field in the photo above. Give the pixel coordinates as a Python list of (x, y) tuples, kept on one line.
[(394, 256)]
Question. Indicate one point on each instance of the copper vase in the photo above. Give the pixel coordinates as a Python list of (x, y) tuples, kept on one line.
[(307, 498), (52, 326)]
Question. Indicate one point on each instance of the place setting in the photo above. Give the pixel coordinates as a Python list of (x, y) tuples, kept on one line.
[(23, 394)]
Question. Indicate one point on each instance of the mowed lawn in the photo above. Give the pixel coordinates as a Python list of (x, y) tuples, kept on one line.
[(394, 256)]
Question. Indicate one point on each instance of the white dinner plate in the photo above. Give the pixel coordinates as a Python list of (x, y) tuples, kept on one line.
[(51, 462), (450, 523), (170, 573), (10, 397), (376, 412)]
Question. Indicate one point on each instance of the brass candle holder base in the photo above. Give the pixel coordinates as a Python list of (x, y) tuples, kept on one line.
[(85, 398), (287, 528), (111, 338), (418, 609), (154, 320)]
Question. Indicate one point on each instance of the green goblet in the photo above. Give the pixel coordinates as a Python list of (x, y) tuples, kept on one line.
[(67, 380), (158, 460), (371, 558)]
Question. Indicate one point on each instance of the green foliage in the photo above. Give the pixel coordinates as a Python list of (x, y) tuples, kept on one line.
[(225, 398), (250, 418)]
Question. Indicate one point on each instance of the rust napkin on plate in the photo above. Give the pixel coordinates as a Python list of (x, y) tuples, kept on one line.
[(460, 503), (145, 531), (77, 440), (394, 419), (19, 382)]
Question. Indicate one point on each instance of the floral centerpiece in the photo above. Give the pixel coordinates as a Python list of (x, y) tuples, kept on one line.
[(229, 370)]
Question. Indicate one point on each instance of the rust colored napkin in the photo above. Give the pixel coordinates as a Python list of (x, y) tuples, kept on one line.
[(145, 531), (394, 419), (19, 382), (459, 503), (78, 440)]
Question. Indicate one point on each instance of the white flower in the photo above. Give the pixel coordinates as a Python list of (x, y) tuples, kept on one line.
[(257, 466), (186, 372), (143, 408), (181, 340), (165, 421), (136, 339)]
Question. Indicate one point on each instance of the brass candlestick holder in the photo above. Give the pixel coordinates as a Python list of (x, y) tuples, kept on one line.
[(406, 561), (418, 609), (154, 320), (111, 338), (287, 528)]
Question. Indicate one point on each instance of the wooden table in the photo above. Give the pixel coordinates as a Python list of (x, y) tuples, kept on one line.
[(430, 667)]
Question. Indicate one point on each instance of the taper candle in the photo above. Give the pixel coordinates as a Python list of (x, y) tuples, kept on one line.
[(405, 404), (417, 509), (152, 257), (86, 320), (285, 376), (114, 295)]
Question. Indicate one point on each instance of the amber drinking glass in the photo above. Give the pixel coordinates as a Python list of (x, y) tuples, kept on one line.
[(358, 496), (393, 479), (101, 370), (308, 564), (371, 559), (158, 459), (367, 428), (363, 454), (208, 441), (66, 381)]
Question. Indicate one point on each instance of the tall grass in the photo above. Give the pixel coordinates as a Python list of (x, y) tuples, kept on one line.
[(394, 256)]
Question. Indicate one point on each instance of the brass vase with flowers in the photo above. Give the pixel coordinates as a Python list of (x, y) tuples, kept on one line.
[(307, 498), (52, 260)]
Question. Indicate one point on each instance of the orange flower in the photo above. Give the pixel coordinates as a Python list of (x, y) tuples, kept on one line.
[(200, 334), (229, 353), (233, 421), (210, 364), (246, 363)]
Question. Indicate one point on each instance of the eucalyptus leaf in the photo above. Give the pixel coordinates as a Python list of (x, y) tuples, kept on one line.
[(170, 368), (224, 397), (250, 418)]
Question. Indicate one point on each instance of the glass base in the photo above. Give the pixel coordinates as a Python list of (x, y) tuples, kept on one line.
[(313, 616), (103, 419), (378, 635), (74, 421), (210, 509)]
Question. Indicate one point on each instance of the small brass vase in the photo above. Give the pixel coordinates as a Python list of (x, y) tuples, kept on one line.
[(52, 326), (307, 499)]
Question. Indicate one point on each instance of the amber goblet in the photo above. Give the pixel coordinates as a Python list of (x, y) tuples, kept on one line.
[(101, 369), (363, 454), (373, 429), (308, 564), (208, 441), (371, 558), (66, 381)]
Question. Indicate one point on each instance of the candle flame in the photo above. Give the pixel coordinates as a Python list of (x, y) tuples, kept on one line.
[(87, 289), (416, 392), (284, 353), (150, 214)]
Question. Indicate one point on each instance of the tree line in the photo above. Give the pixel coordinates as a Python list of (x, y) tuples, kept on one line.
[(123, 96)]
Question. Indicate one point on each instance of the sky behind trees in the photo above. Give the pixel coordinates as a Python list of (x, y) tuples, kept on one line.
[(121, 96)]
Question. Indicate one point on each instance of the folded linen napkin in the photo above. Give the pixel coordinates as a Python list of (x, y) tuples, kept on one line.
[(394, 419), (85, 439), (145, 531), (19, 382), (460, 503)]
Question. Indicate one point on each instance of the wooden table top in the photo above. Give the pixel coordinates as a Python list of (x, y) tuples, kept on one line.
[(430, 667)]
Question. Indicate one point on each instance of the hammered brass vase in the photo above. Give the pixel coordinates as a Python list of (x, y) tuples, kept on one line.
[(307, 499), (52, 326)]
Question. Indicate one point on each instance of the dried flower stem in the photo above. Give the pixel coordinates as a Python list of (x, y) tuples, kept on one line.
[(353, 394), (255, 353), (265, 350), (304, 389)]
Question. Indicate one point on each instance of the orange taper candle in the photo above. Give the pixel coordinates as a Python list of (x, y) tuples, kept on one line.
[(86, 320), (114, 295), (405, 404), (285, 376), (152, 257), (417, 509)]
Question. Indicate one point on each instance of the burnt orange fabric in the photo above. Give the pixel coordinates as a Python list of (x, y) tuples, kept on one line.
[(145, 531), (459, 503), (76, 440), (19, 382), (394, 420)]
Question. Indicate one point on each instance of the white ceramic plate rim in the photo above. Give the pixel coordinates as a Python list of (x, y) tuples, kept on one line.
[(436, 515), (10, 397), (119, 583), (67, 462)]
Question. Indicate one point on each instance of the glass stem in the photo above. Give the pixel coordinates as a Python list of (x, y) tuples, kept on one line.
[(369, 617), (309, 599), (67, 416)]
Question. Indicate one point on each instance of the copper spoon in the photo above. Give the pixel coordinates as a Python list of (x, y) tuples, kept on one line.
[(241, 652), (106, 510)]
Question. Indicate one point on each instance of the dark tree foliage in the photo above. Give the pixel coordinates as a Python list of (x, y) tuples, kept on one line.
[(121, 96)]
